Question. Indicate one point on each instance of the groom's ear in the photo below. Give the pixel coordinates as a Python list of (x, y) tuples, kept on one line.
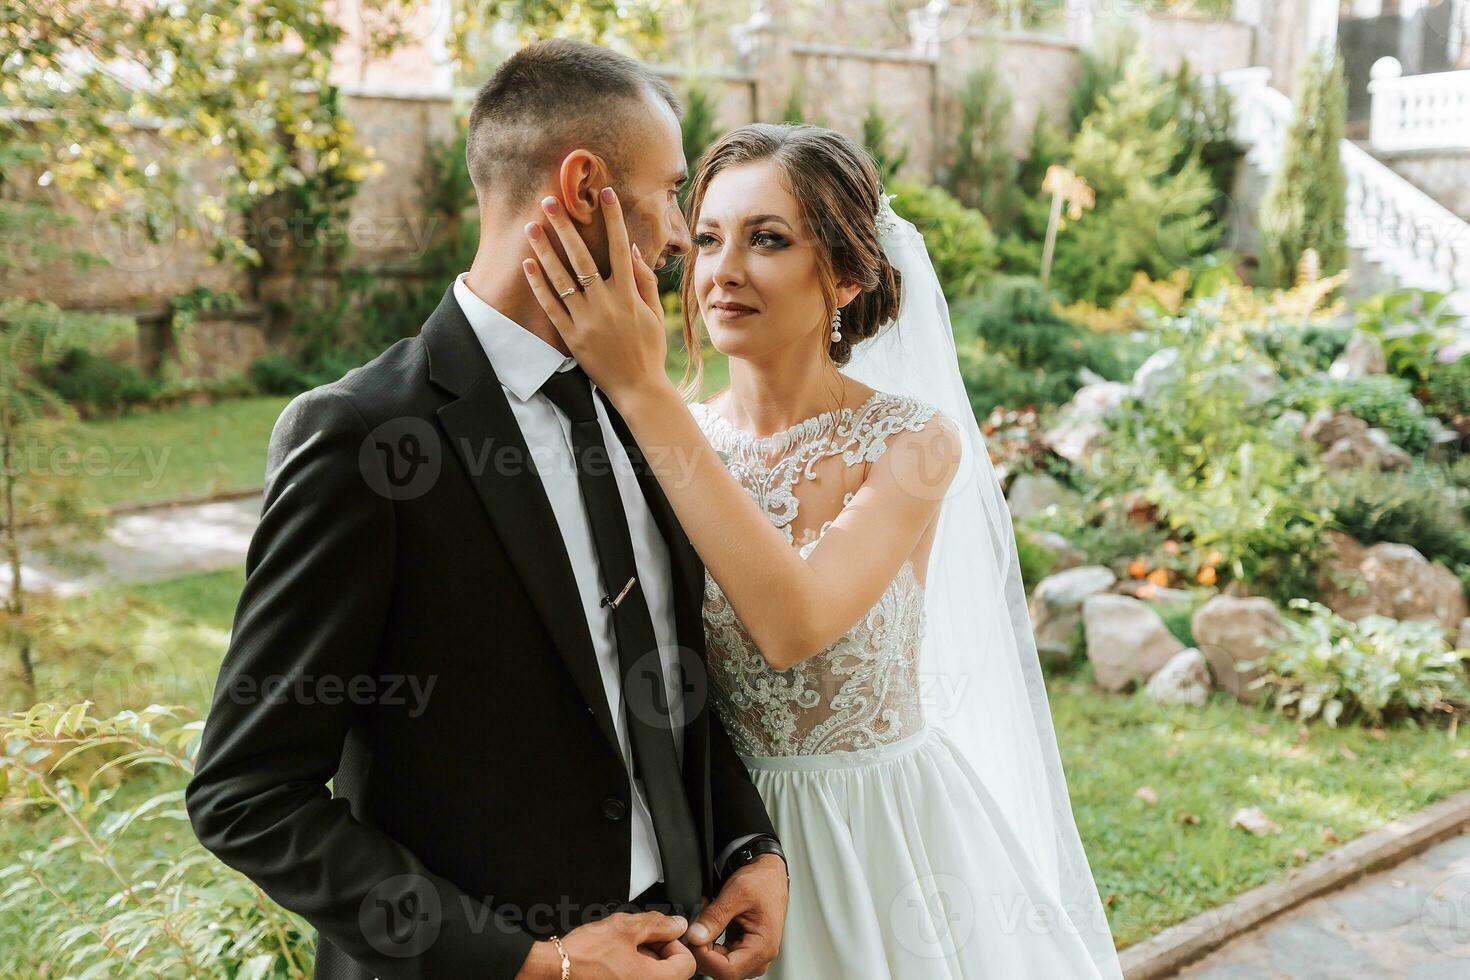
[(580, 179)]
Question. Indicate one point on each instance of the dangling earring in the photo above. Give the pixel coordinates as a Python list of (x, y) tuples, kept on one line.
[(836, 326)]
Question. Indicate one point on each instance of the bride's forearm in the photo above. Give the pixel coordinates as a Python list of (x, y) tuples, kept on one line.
[(769, 584)]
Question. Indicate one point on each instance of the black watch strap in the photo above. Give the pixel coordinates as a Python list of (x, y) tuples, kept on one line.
[(752, 849)]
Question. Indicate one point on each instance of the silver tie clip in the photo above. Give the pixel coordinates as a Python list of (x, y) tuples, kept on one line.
[(621, 595)]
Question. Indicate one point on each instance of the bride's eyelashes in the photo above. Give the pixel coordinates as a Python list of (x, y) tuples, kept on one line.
[(761, 239)]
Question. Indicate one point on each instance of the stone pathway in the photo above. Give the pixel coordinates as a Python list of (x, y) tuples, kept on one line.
[(1409, 922), (154, 544)]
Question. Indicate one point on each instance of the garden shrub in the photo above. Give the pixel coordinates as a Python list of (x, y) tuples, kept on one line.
[(993, 380), (1302, 348), (1412, 326), (1222, 476), (1019, 318), (1375, 670), (92, 381), (959, 239), (1449, 391), (1305, 204), (1420, 507), (1381, 400)]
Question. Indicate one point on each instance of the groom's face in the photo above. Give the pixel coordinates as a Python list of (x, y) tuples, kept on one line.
[(648, 189)]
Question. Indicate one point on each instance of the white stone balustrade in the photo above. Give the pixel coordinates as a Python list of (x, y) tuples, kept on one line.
[(1418, 112), (1418, 241)]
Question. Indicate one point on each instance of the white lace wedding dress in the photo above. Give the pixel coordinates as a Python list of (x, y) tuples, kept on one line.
[(902, 864)]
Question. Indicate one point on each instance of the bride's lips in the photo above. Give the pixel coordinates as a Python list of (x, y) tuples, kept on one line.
[(731, 311)]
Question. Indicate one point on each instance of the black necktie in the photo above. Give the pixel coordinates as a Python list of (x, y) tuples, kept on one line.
[(644, 698)]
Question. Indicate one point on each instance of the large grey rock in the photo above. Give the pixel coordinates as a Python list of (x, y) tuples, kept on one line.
[(1228, 629), (1056, 607), (1389, 579), (1362, 356), (1127, 640), (1185, 679), (1462, 638), (1080, 423), (1067, 554), (1158, 372), (1350, 444), (1033, 493)]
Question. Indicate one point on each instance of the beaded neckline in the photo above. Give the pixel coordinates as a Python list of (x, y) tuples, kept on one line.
[(792, 435)]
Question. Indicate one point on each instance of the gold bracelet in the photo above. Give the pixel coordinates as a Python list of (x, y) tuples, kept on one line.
[(566, 961)]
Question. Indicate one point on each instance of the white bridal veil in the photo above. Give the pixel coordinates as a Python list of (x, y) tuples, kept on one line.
[(981, 677)]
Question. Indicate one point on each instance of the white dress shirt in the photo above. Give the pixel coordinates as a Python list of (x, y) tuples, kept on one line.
[(523, 362)]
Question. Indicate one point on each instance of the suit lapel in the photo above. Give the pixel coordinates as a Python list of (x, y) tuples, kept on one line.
[(486, 437)]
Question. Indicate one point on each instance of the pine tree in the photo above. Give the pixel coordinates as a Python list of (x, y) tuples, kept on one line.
[(1306, 202), (984, 171), (1153, 213), (876, 135)]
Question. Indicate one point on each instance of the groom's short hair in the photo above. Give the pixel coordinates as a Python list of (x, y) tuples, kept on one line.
[(550, 98)]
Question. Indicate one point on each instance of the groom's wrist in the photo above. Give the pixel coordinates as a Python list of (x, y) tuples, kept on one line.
[(542, 963)]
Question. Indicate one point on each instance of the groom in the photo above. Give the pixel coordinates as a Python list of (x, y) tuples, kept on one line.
[(469, 606)]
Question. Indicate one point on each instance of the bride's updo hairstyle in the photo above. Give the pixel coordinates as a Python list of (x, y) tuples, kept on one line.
[(836, 185)]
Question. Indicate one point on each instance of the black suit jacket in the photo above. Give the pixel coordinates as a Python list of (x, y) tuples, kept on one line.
[(411, 631)]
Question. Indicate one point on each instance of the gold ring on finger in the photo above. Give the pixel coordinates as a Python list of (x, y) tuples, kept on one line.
[(587, 280), (567, 292)]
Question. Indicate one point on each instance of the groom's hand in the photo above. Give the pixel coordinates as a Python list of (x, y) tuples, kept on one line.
[(752, 907), (643, 944)]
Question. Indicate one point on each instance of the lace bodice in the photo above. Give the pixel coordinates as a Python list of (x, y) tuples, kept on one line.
[(863, 690)]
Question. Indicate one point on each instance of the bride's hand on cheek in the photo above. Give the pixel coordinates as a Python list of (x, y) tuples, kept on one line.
[(614, 327)]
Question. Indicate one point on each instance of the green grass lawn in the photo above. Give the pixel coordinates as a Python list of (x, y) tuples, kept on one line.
[(201, 451), (163, 642), (183, 452), (1209, 762)]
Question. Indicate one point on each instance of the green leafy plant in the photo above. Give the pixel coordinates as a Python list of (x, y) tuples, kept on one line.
[(1374, 670), (1017, 317), (1412, 326), (1300, 348), (993, 380), (1204, 451), (149, 911)]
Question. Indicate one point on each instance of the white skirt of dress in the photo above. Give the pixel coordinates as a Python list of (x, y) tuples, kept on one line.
[(903, 868)]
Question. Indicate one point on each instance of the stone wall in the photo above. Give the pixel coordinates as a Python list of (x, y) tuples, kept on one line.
[(388, 227), (839, 85), (1439, 173)]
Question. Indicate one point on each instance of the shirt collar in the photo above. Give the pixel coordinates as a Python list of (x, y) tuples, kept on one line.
[(522, 360)]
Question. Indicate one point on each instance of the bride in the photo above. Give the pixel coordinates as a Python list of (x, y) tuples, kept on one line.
[(869, 648)]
